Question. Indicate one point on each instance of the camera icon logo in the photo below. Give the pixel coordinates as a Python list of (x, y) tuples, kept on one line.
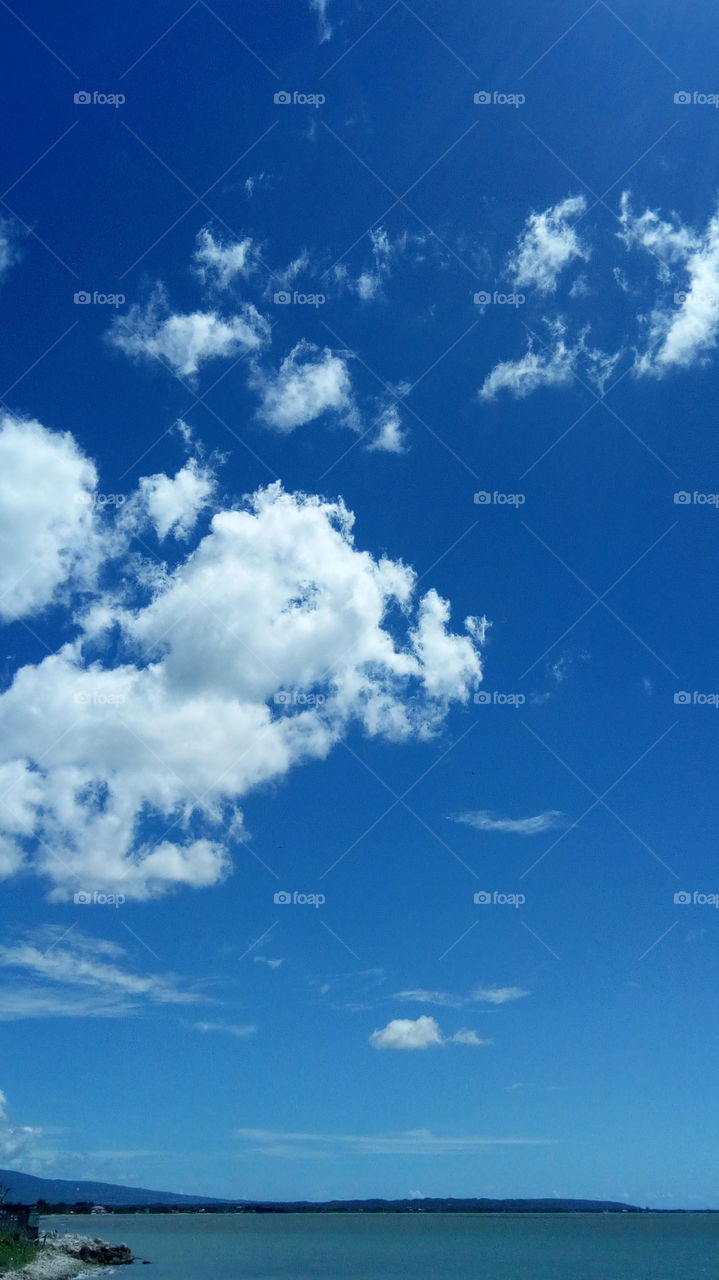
[(681, 498), (82, 896), (482, 298), (82, 97), (482, 698), (483, 898), (482, 98), (682, 898), (680, 297), (483, 498), (682, 98), (282, 297), (283, 97), (82, 297), (282, 698), (282, 897), (682, 699)]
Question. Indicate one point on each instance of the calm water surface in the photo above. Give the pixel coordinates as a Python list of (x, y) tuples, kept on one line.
[(411, 1247)]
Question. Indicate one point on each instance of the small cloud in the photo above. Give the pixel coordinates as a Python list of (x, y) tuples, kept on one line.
[(390, 437), (324, 29), (547, 245), (308, 384), (269, 961), (230, 1029), (465, 1036), (498, 995), (219, 262), (420, 996), (484, 820), (185, 341)]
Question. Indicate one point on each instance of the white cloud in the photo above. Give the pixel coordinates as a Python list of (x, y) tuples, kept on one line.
[(16, 1141), (185, 342), (419, 1033), (369, 283), (323, 27), (484, 820), (46, 516), (8, 246), (538, 367), (186, 723), (551, 365), (270, 961), (498, 995), (174, 504), (73, 960), (390, 437), (682, 332), (308, 384), (547, 245), (422, 996), (218, 263), (240, 1032)]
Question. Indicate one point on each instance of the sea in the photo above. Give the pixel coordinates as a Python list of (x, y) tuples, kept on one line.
[(416, 1246)]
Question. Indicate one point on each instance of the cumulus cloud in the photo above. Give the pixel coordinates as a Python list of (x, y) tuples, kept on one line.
[(174, 504), (547, 245), (484, 820), (185, 342), (419, 1033), (680, 333), (125, 754), (46, 516), (390, 437), (308, 384), (219, 262), (16, 1141)]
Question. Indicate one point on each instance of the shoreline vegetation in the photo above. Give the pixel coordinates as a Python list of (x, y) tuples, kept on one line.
[(56, 1257)]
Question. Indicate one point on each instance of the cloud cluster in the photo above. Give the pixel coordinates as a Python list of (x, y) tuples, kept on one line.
[(419, 1033), (125, 754)]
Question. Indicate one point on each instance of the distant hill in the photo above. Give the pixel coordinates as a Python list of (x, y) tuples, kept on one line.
[(24, 1189)]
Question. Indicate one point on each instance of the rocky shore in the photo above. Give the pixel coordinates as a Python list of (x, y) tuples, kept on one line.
[(63, 1257)]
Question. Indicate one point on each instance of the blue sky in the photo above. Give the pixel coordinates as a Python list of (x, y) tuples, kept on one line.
[(358, 533)]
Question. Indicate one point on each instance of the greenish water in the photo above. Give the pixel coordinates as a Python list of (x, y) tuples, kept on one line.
[(412, 1247)]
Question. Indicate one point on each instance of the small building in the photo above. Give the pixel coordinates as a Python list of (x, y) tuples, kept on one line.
[(20, 1218), (98, 1208)]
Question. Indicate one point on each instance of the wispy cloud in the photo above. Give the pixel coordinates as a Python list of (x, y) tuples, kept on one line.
[(412, 1142), (240, 1032), (485, 820), (445, 999)]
